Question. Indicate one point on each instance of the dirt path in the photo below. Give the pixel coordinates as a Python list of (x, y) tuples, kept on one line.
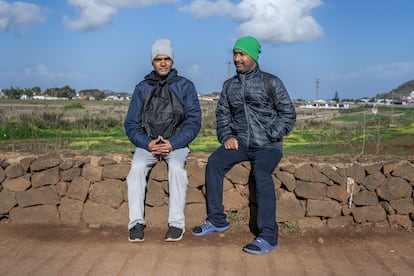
[(56, 250)]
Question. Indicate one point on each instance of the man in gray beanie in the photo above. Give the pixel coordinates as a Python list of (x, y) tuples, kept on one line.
[(162, 47), (161, 135)]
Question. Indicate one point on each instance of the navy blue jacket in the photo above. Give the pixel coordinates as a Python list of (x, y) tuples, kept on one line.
[(186, 94), (246, 112)]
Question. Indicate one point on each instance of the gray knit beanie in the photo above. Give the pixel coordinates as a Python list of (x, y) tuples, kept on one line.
[(162, 47)]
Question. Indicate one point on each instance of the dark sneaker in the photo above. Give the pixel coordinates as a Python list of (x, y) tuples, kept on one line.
[(174, 234), (136, 233), (208, 228)]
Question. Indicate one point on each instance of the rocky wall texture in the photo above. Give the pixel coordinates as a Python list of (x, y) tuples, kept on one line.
[(89, 188)]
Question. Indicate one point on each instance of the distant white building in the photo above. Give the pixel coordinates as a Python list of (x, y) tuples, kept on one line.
[(322, 104)]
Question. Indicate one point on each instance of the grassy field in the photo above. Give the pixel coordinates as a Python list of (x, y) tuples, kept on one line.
[(98, 125)]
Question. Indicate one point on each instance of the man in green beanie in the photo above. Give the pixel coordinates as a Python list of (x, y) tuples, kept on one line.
[(253, 115)]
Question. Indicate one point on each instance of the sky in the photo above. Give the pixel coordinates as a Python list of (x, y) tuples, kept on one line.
[(356, 48)]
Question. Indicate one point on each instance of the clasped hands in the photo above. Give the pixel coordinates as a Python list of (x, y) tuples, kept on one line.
[(160, 146)]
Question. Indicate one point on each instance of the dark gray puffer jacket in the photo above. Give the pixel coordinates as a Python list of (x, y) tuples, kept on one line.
[(246, 112)]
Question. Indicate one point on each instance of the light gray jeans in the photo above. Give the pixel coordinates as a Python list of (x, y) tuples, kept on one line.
[(141, 164)]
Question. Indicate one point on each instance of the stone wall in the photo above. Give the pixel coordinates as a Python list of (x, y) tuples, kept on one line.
[(89, 188)]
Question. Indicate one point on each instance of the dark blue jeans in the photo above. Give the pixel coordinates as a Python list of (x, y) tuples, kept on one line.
[(263, 162)]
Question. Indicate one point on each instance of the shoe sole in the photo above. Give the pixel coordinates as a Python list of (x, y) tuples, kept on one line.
[(261, 252), (136, 240)]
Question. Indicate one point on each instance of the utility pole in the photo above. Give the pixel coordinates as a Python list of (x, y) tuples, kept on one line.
[(229, 69), (317, 89)]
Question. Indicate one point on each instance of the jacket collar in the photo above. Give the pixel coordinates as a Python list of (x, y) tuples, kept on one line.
[(152, 78), (248, 75)]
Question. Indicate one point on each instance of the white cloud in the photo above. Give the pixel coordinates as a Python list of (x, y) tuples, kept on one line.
[(275, 21), (95, 14), (19, 15), (205, 8)]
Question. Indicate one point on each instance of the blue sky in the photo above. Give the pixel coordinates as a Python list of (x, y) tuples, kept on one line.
[(358, 48)]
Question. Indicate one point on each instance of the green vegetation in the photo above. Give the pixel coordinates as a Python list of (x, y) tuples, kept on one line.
[(291, 226), (98, 125)]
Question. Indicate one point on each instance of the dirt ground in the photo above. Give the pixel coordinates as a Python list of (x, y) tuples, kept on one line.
[(58, 250)]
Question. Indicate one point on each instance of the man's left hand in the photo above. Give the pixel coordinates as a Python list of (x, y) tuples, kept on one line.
[(162, 148)]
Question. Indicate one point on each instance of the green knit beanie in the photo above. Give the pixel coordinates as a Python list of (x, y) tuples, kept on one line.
[(249, 45)]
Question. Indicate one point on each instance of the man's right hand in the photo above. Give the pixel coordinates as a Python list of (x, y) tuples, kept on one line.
[(231, 144), (153, 145), (159, 146)]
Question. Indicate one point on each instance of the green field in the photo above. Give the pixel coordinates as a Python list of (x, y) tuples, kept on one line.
[(98, 125)]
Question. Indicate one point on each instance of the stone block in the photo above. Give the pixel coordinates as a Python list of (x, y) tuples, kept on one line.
[(288, 207), (400, 221), (373, 181), (195, 214), (234, 201), (103, 215), (25, 162), (45, 162), (14, 170), (17, 184), (195, 195), (239, 174), (157, 217), (117, 171), (46, 177), (7, 201), (404, 170), (70, 211), (394, 188), (337, 192), (403, 206), (332, 173), (2, 174), (78, 188), (92, 173), (287, 179), (365, 198), (369, 214), (310, 174), (357, 172), (41, 196), (41, 214), (159, 172), (310, 190), (156, 195), (107, 192), (69, 174), (373, 168), (323, 208)]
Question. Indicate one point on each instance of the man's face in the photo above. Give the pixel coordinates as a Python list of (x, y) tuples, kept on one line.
[(243, 62), (162, 65)]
